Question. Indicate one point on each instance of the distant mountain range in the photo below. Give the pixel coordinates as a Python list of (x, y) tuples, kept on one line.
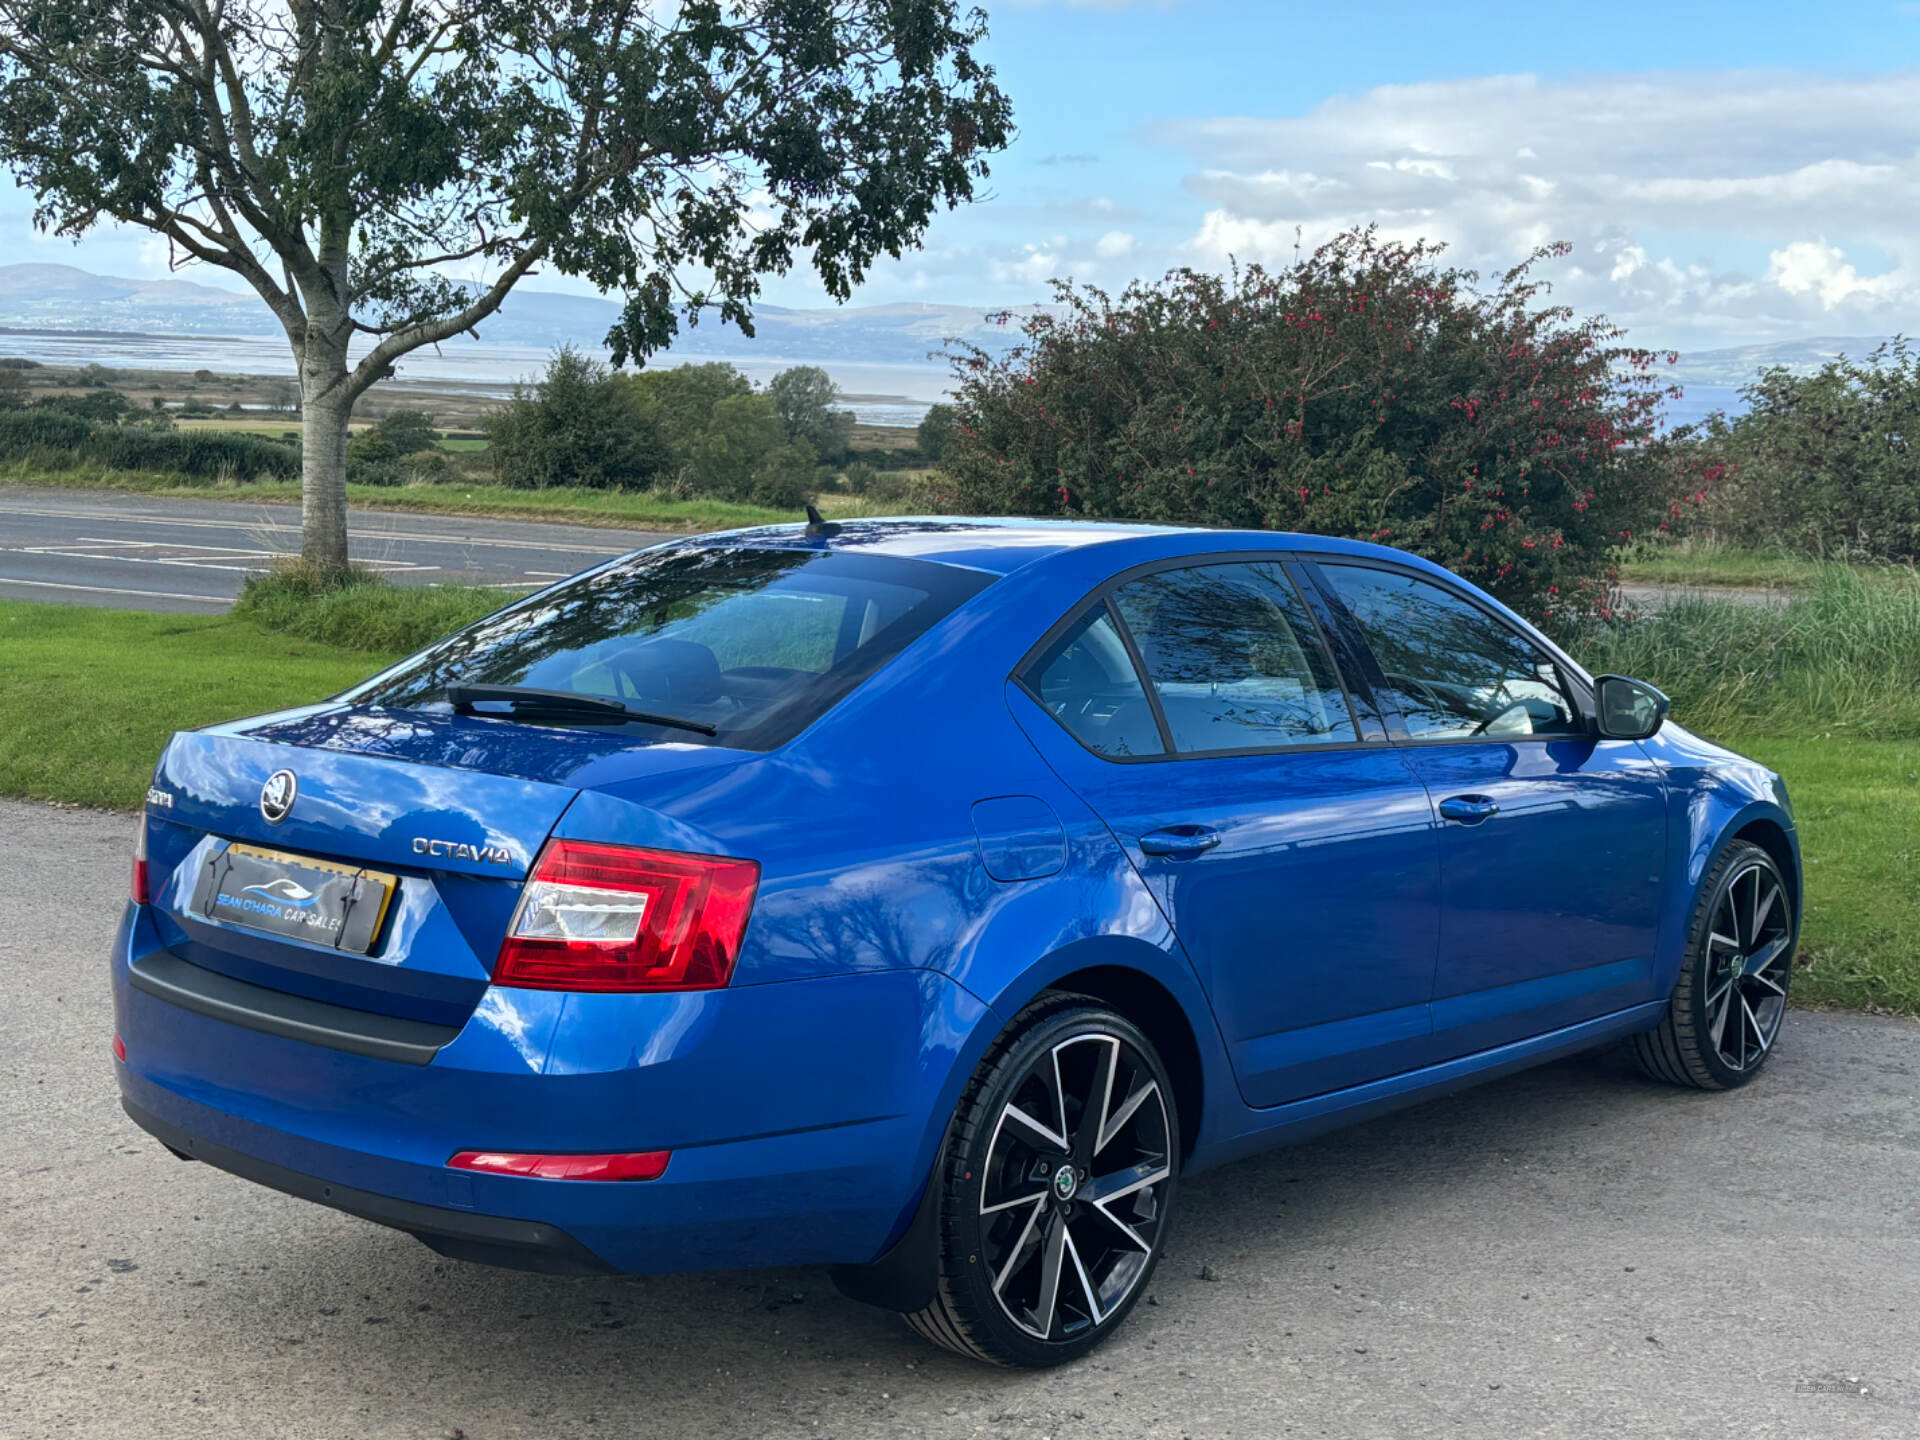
[(62, 297), (65, 299)]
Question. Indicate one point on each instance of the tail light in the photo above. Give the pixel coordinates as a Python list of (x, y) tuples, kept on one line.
[(613, 917), (140, 860)]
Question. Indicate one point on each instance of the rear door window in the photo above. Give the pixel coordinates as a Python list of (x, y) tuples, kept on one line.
[(1235, 658), (756, 643), (1087, 682)]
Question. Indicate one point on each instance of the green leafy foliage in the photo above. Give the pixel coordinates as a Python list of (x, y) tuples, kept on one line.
[(574, 427), (803, 397), (936, 428), (56, 432), (1367, 391), (1826, 464), (13, 390), (408, 432)]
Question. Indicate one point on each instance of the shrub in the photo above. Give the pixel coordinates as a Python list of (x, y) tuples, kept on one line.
[(577, 426), (203, 454), (13, 390), (107, 405), (860, 477), (1366, 391), (784, 478), (41, 428), (1827, 464), (408, 432)]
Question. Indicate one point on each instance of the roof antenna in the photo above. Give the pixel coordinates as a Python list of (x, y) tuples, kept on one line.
[(817, 523)]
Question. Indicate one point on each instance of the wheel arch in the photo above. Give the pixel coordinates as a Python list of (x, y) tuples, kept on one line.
[(1772, 837), (1142, 999)]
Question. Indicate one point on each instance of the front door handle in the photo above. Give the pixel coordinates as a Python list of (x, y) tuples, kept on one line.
[(1179, 840), (1469, 809)]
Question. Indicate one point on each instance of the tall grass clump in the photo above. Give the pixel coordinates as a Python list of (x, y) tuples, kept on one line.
[(360, 610), (1844, 654)]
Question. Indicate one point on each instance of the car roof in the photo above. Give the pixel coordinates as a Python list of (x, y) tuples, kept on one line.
[(1002, 545)]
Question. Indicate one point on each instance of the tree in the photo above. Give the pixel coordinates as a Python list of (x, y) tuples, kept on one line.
[(1367, 391), (935, 428), (803, 397), (1826, 464), (13, 390), (575, 427), (349, 158), (679, 399), (408, 431)]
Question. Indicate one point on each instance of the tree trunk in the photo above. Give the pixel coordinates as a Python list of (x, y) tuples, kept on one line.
[(326, 405)]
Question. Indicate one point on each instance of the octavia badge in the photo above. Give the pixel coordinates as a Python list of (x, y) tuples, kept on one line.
[(277, 795)]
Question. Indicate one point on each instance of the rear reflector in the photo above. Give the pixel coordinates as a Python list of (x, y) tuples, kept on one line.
[(140, 860), (634, 1165), (119, 1049), (613, 917)]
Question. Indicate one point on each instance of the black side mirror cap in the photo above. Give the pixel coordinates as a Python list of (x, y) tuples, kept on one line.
[(1627, 709)]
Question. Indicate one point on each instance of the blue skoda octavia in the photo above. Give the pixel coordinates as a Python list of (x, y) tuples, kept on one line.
[(926, 898)]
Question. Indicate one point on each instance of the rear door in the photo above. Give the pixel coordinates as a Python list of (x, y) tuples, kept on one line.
[(1553, 842), (1292, 848)]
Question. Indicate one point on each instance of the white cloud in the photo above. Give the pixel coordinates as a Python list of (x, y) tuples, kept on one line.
[(1671, 188), (1113, 245)]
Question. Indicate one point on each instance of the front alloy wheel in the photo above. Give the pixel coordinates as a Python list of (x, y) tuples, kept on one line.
[(1059, 1174), (1731, 996)]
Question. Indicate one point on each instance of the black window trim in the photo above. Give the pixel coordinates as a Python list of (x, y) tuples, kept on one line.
[(1101, 596), (1579, 691)]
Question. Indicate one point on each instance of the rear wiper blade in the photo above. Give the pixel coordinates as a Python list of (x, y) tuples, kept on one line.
[(564, 704)]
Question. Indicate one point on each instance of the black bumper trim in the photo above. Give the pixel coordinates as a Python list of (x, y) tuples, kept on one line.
[(459, 1234), (165, 976)]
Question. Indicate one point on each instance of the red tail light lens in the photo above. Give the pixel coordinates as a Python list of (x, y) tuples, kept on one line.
[(614, 917), (634, 1165), (140, 860)]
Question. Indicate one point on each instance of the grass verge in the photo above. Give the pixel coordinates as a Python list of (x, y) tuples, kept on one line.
[(361, 611), (91, 696), (565, 505)]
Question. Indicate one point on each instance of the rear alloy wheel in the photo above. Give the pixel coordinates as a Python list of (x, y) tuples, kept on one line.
[(1731, 996), (1057, 1179)]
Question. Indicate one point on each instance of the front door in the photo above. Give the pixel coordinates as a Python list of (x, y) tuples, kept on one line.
[(1553, 842), (1296, 862)]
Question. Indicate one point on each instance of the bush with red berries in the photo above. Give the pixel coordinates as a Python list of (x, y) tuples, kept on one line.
[(1367, 391)]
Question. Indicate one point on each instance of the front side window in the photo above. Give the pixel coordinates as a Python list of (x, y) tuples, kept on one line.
[(1234, 658), (750, 644), (1087, 682), (1452, 670)]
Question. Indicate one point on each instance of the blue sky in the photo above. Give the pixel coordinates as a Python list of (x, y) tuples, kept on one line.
[(1726, 172)]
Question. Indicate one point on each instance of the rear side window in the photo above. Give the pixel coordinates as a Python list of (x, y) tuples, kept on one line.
[(1235, 658), (756, 643), (1087, 682), (1453, 671)]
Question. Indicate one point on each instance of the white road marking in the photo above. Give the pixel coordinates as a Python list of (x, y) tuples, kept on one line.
[(391, 566), (112, 590), (266, 524)]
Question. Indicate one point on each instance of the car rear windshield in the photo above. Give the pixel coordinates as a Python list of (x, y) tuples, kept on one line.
[(754, 644)]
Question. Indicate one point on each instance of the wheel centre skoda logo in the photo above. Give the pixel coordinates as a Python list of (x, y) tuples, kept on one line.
[(1065, 1182), (277, 795)]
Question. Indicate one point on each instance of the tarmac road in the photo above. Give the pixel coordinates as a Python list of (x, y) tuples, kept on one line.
[(138, 552), (1574, 1252)]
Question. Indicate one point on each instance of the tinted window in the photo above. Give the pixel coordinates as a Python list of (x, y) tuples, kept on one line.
[(1452, 670), (756, 643), (1234, 658), (1087, 682)]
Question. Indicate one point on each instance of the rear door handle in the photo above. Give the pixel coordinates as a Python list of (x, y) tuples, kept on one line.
[(1179, 840), (1469, 809)]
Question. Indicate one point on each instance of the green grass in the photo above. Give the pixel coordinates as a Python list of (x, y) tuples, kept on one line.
[(633, 511), (1841, 656), (1857, 803), (1689, 562), (90, 696), (364, 612)]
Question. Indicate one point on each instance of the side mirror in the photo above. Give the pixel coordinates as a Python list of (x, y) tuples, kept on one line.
[(1627, 709)]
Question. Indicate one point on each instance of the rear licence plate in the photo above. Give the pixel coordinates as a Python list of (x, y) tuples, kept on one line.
[(295, 896)]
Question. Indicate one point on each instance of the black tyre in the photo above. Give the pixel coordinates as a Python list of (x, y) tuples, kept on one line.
[(1731, 998), (1055, 1186)]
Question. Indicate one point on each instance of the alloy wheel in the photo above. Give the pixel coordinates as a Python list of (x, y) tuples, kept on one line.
[(1071, 1198), (1749, 954)]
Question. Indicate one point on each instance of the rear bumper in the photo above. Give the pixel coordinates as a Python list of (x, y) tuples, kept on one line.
[(801, 1116)]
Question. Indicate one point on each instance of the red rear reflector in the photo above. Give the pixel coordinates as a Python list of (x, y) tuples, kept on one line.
[(119, 1049), (140, 860), (613, 917), (634, 1165)]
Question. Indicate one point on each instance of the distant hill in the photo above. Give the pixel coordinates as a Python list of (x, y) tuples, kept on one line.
[(1738, 365), (63, 297)]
